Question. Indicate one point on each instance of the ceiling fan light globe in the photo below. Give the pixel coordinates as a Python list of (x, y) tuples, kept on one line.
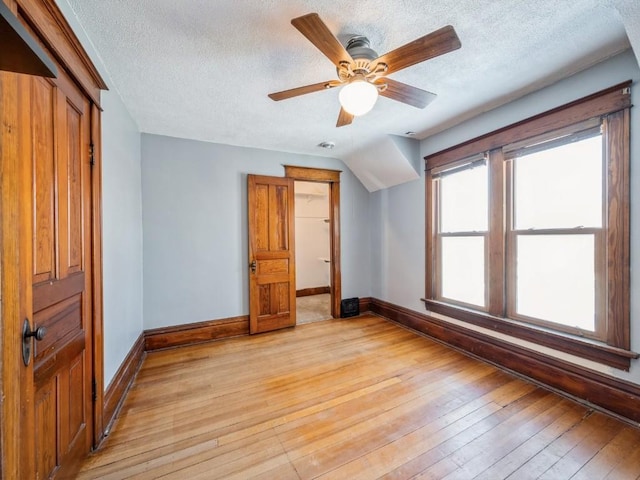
[(358, 97)]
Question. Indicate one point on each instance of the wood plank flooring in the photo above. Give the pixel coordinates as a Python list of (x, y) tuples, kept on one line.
[(359, 398)]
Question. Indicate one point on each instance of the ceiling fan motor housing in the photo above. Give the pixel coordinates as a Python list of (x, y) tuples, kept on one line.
[(362, 54), (358, 47)]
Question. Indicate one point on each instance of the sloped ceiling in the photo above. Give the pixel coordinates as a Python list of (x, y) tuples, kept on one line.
[(202, 69)]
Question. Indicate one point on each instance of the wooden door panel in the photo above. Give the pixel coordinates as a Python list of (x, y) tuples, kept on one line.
[(61, 280), (271, 247), (274, 299), (74, 182), (63, 322), (69, 185), (77, 419), (47, 294), (272, 267), (42, 99), (280, 298), (52, 365), (60, 417), (278, 215), (261, 223), (46, 405)]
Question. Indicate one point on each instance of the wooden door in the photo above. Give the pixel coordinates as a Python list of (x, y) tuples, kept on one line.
[(272, 284), (56, 141)]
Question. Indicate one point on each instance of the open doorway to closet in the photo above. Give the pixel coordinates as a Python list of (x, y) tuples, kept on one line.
[(313, 251), (317, 212)]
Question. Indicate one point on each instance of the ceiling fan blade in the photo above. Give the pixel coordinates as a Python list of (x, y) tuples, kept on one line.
[(344, 118), (404, 93), (294, 92), (431, 45), (312, 27)]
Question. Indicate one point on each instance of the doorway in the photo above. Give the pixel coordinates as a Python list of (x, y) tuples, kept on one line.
[(313, 251), (330, 179)]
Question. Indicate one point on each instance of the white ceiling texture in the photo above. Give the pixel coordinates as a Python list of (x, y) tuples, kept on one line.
[(202, 69)]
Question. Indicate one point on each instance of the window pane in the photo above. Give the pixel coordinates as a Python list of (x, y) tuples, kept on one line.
[(463, 269), (556, 279), (464, 201), (560, 187)]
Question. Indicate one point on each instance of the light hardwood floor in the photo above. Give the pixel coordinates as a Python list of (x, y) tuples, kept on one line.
[(359, 398)]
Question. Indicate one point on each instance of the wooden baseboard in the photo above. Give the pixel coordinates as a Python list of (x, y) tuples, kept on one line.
[(119, 386), (365, 304), (306, 292), (167, 337), (608, 393)]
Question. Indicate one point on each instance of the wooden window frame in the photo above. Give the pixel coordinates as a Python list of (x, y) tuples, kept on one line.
[(612, 347), (590, 128), (439, 236)]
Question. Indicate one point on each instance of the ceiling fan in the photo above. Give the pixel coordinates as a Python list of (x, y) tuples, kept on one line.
[(362, 74)]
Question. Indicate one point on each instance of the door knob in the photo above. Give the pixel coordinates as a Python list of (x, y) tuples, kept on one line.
[(253, 266), (27, 333)]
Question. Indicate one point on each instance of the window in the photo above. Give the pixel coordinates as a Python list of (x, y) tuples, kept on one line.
[(555, 233), (527, 229), (462, 232)]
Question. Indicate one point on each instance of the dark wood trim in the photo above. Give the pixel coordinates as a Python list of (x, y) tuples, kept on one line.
[(309, 174), (429, 232), (617, 288), (608, 393), (121, 383), (58, 37), (192, 333), (365, 304), (597, 352), (332, 177), (336, 256), (96, 276), (307, 292), (495, 260), (601, 103)]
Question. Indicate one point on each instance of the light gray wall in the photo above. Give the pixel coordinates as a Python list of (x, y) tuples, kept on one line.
[(122, 232), (121, 217), (195, 227), (399, 220)]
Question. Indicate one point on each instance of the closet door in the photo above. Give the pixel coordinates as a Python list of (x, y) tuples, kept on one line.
[(272, 273), (57, 142)]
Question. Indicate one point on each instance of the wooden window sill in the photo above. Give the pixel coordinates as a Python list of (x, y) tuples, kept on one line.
[(581, 347)]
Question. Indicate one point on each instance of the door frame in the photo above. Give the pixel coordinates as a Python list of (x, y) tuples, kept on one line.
[(331, 177), (46, 22)]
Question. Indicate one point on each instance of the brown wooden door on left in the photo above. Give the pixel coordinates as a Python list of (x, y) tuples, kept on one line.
[(272, 281), (56, 141)]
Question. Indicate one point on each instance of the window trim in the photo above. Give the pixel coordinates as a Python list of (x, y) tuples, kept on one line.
[(612, 105), (599, 333), (457, 167)]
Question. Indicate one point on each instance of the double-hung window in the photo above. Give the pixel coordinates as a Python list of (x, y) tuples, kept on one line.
[(528, 229), (555, 231), (463, 225)]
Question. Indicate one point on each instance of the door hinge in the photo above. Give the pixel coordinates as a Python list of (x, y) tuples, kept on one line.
[(94, 390), (92, 160)]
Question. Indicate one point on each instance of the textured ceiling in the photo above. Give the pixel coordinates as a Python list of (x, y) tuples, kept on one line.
[(202, 69)]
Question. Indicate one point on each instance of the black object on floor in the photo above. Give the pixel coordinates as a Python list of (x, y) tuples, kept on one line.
[(350, 307)]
